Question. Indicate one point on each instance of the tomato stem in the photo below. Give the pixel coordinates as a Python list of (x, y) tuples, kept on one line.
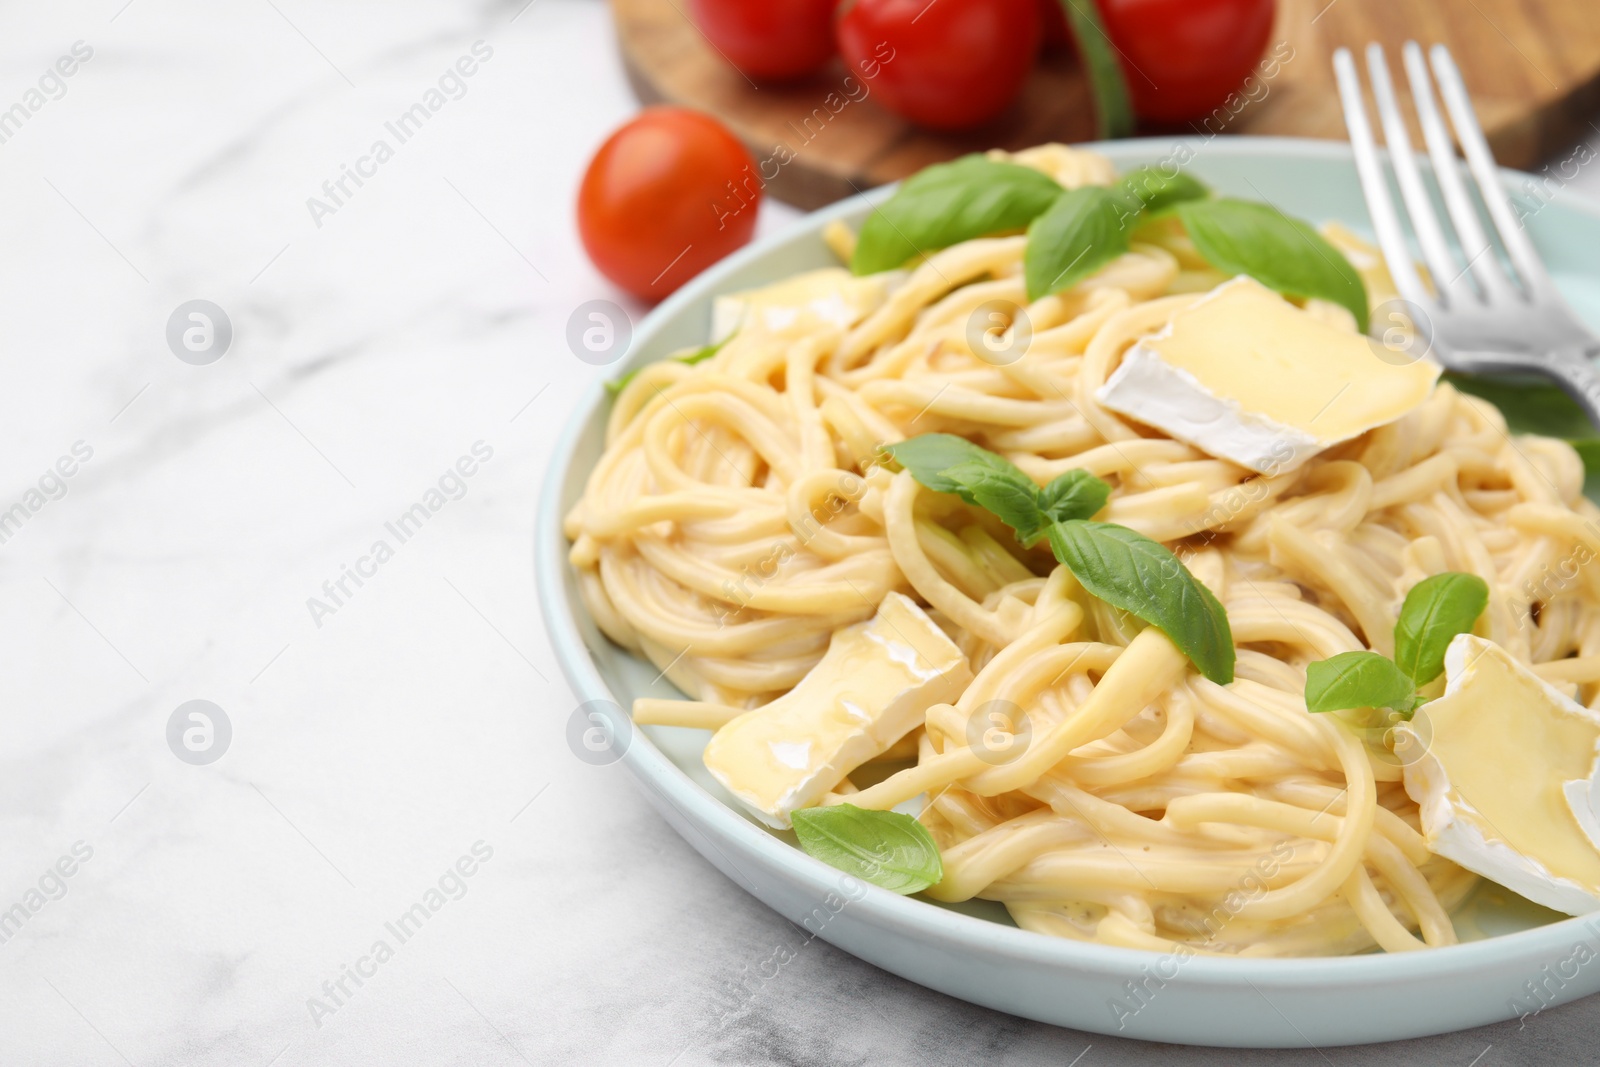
[(1112, 104)]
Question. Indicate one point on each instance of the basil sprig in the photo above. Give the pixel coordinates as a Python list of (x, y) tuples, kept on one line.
[(1124, 568), (699, 355), (1128, 570), (1242, 237), (886, 848), (1071, 233), (949, 464), (1435, 611), (1074, 233), (973, 196)]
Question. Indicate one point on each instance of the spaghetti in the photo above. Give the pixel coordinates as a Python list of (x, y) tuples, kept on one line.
[(742, 514)]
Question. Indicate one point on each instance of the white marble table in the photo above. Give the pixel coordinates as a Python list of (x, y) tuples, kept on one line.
[(187, 530)]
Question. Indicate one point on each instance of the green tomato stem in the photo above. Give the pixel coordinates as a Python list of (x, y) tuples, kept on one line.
[(1113, 106)]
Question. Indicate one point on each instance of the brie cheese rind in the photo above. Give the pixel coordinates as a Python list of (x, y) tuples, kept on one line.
[(831, 297), (1245, 376), (1503, 771), (873, 686)]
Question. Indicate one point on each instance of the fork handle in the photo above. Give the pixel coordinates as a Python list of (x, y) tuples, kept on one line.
[(1572, 370)]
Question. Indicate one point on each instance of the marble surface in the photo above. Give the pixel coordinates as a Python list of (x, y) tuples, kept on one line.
[(183, 530)]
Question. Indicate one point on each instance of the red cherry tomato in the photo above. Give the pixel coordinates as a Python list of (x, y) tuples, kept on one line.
[(949, 64), (1183, 57), (656, 207), (1053, 24), (773, 40)]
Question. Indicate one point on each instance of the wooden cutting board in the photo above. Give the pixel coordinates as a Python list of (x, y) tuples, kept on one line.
[(1532, 66)]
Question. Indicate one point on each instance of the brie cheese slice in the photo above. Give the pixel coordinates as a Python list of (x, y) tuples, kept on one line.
[(1245, 376), (872, 687), (1502, 765), (799, 305)]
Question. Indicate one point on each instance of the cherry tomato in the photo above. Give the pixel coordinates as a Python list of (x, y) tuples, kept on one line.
[(1183, 57), (1055, 33), (656, 206), (772, 40), (949, 64)]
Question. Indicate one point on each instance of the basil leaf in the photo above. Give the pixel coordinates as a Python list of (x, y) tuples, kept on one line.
[(973, 196), (1010, 496), (1358, 680), (699, 355), (886, 848), (1083, 231), (1435, 611), (1129, 571), (1529, 407), (1241, 237), (1541, 408), (1589, 452), (929, 455), (1076, 494), (1153, 190)]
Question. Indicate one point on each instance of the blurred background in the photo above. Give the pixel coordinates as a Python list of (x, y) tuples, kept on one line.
[(275, 273)]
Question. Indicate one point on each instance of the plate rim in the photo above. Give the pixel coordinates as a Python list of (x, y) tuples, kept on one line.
[(917, 918)]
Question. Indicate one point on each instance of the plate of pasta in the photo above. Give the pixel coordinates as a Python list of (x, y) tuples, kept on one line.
[(1065, 580)]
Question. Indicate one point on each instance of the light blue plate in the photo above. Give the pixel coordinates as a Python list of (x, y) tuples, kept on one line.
[(974, 952)]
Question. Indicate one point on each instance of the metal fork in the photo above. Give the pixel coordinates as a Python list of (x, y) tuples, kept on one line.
[(1479, 317)]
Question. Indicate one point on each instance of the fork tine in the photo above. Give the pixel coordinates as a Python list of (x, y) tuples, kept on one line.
[(1435, 248), (1391, 238), (1481, 262), (1534, 276)]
